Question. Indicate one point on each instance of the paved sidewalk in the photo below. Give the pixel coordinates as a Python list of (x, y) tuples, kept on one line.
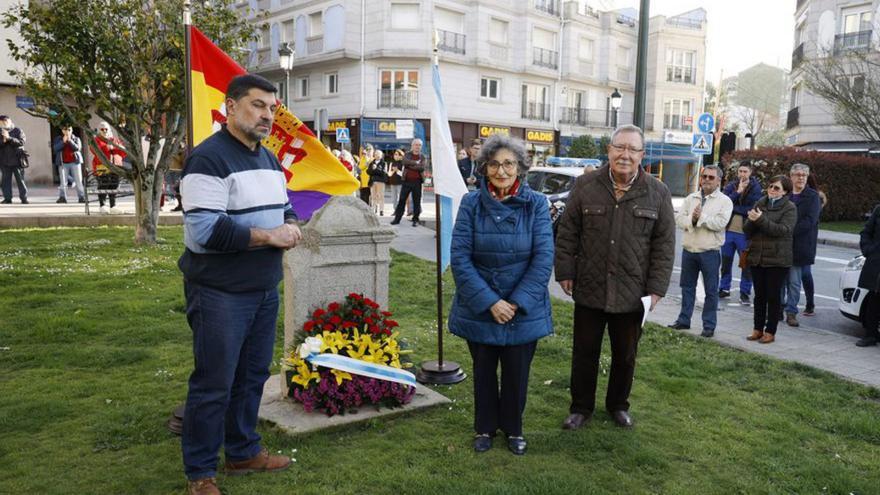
[(816, 347)]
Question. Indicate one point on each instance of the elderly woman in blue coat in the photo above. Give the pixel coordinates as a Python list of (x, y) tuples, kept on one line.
[(502, 256)]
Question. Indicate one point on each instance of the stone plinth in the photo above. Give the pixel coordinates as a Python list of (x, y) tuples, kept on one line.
[(344, 249)]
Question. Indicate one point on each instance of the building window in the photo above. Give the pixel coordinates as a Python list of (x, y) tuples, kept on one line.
[(534, 102), (676, 113), (265, 36), (854, 21), (681, 66), (489, 88), (287, 34), (331, 83), (316, 25), (795, 96), (623, 63), (585, 49), (498, 31), (399, 88), (450, 29), (405, 16), (302, 87)]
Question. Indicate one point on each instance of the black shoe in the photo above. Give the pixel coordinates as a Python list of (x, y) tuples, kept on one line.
[(517, 445), (622, 419), (395, 222), (708, 334), (7, 201), (81, 200), (179, 207), (575, 421), (482, 442), (678, 326), (809, 311), (723, 293), (381, 213), (744, 299), (867, 342), (25, 202), (62, 200), (415, 223)]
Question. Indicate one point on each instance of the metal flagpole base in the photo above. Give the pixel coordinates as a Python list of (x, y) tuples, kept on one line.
[(433, 373), (175, 422)]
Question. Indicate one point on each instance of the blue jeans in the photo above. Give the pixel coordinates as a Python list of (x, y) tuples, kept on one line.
[(233, 341), (793, 289), (809, 285), (734, 243), (692, 264), (71, 170)]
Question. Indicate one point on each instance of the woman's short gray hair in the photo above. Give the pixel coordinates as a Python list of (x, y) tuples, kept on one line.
[(498, 142)]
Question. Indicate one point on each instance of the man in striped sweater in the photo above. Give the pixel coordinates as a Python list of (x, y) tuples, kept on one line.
[(237, 224)]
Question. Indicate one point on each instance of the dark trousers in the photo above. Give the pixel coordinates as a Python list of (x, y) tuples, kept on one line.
[(107, 181), (494, 409), (809, 286), (364, 193), (233, 340), (624, 331), (871, 322), (414, 188), (768, 283), (6, 175)]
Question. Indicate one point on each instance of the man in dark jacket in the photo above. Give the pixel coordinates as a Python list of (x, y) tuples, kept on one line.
[(12, 141), (869, 243), (744, 193), (414, 165), (804, 237), (616, 245), (467, 166)]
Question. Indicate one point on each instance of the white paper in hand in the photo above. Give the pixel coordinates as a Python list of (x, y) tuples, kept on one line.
[(646, 305)]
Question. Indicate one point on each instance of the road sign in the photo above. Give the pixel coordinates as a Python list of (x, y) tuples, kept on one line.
[(706, 122), (702, 144), (342, 135)]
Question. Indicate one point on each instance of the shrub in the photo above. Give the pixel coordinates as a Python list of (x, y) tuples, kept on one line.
[(851, 183)]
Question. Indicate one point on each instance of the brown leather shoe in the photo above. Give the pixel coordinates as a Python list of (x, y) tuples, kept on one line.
[(204, 486), (263, 462), (768, 338), (622, 418), (575, 421), (791, 320), (756, 335)]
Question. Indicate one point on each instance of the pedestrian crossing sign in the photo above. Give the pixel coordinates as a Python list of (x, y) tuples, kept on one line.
[(702, 143), (342, 135)]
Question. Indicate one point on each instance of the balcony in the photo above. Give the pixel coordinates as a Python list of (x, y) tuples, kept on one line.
[(684, 23), (626, 20), (859, 40), (497, 53), (685, 75), (797, 56), (794, 117), (549, 6), (451, 42), (545, 58), (399, 98), (315, 45), (535, 110)]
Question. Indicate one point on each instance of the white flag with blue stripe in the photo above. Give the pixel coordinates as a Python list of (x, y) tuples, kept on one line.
[(449, 187)]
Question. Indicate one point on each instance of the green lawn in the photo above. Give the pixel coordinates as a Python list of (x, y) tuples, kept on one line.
[(848, 227), (95, 353)]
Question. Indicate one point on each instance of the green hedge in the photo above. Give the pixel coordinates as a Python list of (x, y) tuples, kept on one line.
[(851, 183)]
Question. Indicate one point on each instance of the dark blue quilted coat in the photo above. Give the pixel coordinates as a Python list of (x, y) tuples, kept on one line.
[(502, 250)]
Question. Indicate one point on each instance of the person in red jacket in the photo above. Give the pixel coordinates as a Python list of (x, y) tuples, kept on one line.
[(113, 149)]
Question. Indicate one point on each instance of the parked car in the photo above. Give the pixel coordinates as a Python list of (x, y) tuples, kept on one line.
[(565, 161), (851, 295), (556, 184)]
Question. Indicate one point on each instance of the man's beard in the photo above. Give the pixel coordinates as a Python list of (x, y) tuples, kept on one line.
[(256, 133)]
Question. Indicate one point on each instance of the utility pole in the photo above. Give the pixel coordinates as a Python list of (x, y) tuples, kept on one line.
[(641, 66)]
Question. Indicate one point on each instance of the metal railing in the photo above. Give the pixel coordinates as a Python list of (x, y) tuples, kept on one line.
[(626, 20), (535, 111), (315, 45), (684, 23), (545, 58), (797, 56), (794, 118), (590, 11), (451, 42), (549, 6), (852, 41), (398, 98), (685, 75)]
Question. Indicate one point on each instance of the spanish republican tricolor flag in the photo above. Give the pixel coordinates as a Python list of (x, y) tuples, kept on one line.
[(313, 173)]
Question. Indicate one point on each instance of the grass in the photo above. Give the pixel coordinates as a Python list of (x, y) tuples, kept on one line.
[(845, 226), (95, 353)]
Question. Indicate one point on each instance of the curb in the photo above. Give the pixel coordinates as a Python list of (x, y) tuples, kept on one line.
[(81, 221)]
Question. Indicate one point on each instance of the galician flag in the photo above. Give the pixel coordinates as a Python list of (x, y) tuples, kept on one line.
[(313, 174), (449, 187)]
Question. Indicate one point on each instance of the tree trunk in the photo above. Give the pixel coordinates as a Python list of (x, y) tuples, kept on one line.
[(147, 192)]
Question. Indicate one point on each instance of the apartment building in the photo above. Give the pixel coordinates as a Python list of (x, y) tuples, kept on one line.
[(541, 70), (827, 28)]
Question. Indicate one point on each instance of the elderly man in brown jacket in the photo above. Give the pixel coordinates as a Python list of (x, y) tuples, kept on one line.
[(616, 244)]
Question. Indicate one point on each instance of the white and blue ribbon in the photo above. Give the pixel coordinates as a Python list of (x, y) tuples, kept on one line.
[(310, 350)]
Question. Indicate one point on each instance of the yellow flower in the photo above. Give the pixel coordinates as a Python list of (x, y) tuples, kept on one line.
[(304, 375), (333, 342), (340, 376)]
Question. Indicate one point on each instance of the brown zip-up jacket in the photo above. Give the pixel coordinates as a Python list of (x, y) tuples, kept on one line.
[(616, 251)]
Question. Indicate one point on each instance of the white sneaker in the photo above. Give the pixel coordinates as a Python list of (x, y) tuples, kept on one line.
[(103, 210), (117, 211)]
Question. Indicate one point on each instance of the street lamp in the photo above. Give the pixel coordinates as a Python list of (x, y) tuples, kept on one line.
[(616, 101), (285, 60)]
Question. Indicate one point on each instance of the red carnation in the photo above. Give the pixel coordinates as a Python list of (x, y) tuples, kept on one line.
[(386, 313), (318, 313), (392, 323), (356, 297), (334, 306), (372, 304), (308, 326), (368, 320), (328, 327), (357, 312), (374, 329), (335, 319)]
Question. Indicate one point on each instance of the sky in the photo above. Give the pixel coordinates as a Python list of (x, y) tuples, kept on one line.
[(741, 33)]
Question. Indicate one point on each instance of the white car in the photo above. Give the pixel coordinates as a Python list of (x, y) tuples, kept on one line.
[(851, 295)]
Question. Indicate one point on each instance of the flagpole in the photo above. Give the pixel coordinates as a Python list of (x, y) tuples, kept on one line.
[(439, 372), (187, 43)]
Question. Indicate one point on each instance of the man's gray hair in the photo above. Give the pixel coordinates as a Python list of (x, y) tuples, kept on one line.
[(629, 128), (498, 142), (800, 167), (715, 167)]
